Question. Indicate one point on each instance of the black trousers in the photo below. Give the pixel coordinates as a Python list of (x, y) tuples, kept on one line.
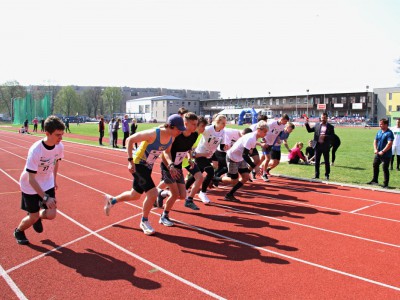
[(101, 137), (385, 161), (322, 149), (126, 135)]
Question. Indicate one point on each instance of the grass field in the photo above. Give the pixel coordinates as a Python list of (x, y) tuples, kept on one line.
[(353, 159)]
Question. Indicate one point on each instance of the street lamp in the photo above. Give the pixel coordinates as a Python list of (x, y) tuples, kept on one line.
[(307, 101), (366, 99)]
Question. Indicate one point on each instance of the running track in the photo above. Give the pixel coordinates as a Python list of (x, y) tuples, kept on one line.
[(288, 239)]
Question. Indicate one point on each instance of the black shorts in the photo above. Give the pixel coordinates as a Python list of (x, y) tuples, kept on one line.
[(214, 157), (221, 157), (276, 154), (33, 203), (166, 175), (142, 181), (193, 170), (202, 163)]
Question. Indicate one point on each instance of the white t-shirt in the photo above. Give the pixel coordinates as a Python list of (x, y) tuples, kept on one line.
[(253, 127), (248, 141), (231, 136), (41, 161), (274, 130), (210, 140), (396, 133)]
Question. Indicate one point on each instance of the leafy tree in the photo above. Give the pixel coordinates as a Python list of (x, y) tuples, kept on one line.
[(112, 97), (67, 102), (9, 91), (91, 101)]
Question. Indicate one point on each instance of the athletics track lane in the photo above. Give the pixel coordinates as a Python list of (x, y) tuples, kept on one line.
[(206, 251)]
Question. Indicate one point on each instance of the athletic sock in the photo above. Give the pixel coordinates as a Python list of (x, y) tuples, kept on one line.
[(189, 199), (113, 200), (235, 188), (144, 219)]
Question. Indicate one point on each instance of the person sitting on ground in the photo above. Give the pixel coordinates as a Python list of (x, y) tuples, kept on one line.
[(296, 154), (310, 152)]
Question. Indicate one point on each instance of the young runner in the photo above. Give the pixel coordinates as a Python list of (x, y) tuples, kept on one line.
[(38, 180), (153, 143)]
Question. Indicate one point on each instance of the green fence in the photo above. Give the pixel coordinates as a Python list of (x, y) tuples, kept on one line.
[(28, 108)]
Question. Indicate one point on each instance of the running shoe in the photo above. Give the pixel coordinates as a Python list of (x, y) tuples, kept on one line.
[(20, 237), (265, 178), (146, 227), (203, 197), (166, 221), (191, 205), (254, 175), (267, 171), (38, 226), (229, 197), (107, 205), (160, 199)]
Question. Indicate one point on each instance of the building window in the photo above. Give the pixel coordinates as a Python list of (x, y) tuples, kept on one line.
[(398, 108), (194, 103), (390, 96), (163, 103), (343, 100), (334, 100), (270, 102), (147, 109), (362, 99), (390, 108), (189, 103), (163, 113), (277, 101)]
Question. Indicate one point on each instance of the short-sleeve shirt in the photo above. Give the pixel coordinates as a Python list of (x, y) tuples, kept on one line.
[(382, 138), (275, 128), (180, 147), (278, 142), (231, 136), (396, 133), (210, 140), (248, 141), (41, 161)]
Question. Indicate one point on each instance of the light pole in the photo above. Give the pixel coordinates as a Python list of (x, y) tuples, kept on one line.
[(307, 102), (366, 100)]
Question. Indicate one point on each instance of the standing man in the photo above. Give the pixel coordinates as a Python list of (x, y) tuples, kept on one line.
[(323, 132), (396, 145), (101, 131), (125, 130), (383, 153), (38, 179), (67, 125)]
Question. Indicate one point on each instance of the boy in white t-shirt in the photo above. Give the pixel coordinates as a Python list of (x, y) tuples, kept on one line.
[(238, 159), (38, 179)]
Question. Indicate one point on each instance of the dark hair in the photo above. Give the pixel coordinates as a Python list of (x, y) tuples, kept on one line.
[(285, 116), (384, 121), (290, 125), (182, 111), (191, 116), (324, 114), (52, 124), (202, 120), (247, 130), (262, 118)]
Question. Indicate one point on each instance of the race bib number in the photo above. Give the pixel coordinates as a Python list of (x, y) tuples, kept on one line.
[(179, 157), (152, 156)]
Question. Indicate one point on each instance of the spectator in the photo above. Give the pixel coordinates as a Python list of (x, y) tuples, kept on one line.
[(26, 126), (296, 154), (42, 125), (110, 127), (323, 132), (125, 130), (335, 144), (383, 153), (182, 111), (35, 124), (310, 152), (396, 145), (115, 129), (134, 127), (67, 126), (101, 131)]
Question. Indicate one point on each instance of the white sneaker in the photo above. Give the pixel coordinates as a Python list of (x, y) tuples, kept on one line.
[(203, 197), (146, 227), (108, 205)]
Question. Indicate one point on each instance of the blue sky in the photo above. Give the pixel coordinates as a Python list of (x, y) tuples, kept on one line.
[(241, 48)]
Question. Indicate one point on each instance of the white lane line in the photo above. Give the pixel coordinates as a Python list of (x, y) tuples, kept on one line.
[(12, 284), (244, 243), (142, 259), (365, 207)]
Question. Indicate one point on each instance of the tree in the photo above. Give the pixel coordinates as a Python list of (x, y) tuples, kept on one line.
[(9, 91), (112, 97), (91, 100), (67, 102)]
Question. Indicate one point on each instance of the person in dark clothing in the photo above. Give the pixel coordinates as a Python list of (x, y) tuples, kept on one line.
[(323, 132), (67, 126), (42, 125), (310, 152), (134, 127), (335, 143), (101, 131), (115, 133)]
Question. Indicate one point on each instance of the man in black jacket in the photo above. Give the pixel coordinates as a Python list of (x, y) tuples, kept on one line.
[(323, 133)]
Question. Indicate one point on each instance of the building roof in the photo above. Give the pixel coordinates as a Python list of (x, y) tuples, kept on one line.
[(164, 97), (233, 111)]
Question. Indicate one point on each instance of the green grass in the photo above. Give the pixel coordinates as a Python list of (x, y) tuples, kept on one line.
[(353, 163)]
